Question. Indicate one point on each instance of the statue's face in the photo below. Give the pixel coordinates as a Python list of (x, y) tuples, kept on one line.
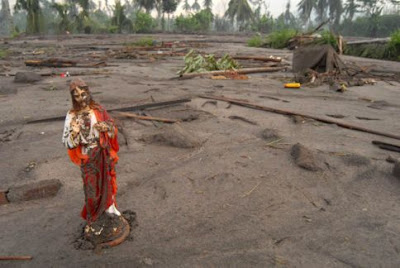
[(81, 96)]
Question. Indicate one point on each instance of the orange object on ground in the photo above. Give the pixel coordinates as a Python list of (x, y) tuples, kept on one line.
[(292, 85)]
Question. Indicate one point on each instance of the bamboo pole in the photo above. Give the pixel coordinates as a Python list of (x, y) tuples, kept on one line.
[(239, 71), (285, 112)]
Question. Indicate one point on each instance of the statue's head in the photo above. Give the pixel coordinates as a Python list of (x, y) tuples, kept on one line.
[(80, 94)]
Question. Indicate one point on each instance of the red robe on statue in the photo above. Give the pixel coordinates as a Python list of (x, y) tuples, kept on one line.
[(98, 171)]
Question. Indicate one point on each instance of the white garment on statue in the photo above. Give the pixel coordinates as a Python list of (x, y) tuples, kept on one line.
[(113, 210)]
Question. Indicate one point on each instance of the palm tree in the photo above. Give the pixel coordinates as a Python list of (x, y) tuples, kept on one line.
[(148, 5), (207, 4), (169, 7), (62, 10), (321, 9), (305, 8), (335, 12), (351, 8), (186, 6), (288, 16), (32, 7), (241, 11), (6, 21), (196, 6), (83, 17), (119, 19)]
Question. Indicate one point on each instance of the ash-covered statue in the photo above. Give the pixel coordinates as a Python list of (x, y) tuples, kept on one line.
[(90, 136)]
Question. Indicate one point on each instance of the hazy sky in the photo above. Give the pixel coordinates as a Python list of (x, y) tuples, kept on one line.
[(276, 7)]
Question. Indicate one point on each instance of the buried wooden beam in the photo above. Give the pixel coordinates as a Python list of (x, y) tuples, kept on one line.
[(16, 258), (239, 71), (123, 109), (141, 117), (286, 112)]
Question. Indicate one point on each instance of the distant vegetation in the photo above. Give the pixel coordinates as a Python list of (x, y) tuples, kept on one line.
[(369, 18)]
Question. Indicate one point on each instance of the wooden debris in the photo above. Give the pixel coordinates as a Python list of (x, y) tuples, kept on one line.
[(239, 71), (150, 118), (60, 63), (16, 258), (285, 112), (124, 109), (51, 63), (387, 146)]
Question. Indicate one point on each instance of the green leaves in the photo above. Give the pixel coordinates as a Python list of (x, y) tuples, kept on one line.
[(196, 63)]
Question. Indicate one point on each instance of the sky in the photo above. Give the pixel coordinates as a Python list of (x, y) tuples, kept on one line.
[(276, 7)]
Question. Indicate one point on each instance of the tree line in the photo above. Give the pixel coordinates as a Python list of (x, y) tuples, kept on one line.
[(348, 17)]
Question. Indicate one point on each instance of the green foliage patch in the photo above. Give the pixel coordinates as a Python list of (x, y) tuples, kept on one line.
[(196, 63)]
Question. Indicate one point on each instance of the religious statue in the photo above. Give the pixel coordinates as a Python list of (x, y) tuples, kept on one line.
[(90, 136)]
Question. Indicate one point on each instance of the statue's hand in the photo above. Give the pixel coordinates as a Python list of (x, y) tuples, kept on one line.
[(102, 127), (76, 128)]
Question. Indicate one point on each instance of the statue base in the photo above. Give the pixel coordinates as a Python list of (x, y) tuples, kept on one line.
[(108, 231)]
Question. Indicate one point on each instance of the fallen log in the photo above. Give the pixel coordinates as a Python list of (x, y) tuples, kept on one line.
[(123, 109), (285, 112), (387, 146), (59, 63), (16, 258), (150, 118), (239, 71)]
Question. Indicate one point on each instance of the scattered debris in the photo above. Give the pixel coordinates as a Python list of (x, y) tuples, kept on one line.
[(304, 158), (34, 190), (297, 119), (285, 112), (236, 117), (27, 77), (30, 166), (387, 146)]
